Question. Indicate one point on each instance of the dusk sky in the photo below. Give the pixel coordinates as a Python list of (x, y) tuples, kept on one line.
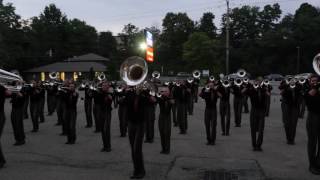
[(112, 15)]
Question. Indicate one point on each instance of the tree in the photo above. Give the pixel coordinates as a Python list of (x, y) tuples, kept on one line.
[(107, 44), (207, 25), (200, 52)]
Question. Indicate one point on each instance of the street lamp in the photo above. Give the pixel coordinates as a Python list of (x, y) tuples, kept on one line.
[(143, 46)]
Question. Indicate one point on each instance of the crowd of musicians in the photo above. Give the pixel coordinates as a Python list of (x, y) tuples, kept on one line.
[(136, 108)]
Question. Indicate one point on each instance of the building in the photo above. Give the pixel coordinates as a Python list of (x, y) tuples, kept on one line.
[(78, 67)]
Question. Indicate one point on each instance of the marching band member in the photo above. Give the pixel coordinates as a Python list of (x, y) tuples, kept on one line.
[(174, 106), (136, 102), (105, 107), (210, 95), (96, 113), (224, 94), (190, 87), (17, 113), (71, 99), (165, 104), (42, 101), (245, 99), (150, 117), (3, 94), (181, 95), (88, 95), (52, 90), (35, 105), (291, 94), (258, 97), (122, 111), (312, 99), (237, 103), (268, 101)]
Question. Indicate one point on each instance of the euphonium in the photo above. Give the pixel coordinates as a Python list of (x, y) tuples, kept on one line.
[(156, 74), (53, 75), (8, 77)]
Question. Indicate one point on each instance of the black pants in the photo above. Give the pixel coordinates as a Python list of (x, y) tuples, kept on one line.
[(96, 112), (88, 111), (225, 116), (2, 122), (136, 134), (149, 120), (65, 117), (174, 114), (51, 103), (190, 105), (35, 114), (313, 132), (182, 117), (60, 111), (237, 105), (25, 108), (71, 118), (210, 121), (41, 109), (302, 108), (268, 101), (105, 118), (17, 114), (257, 118), (290, 121), (195, 95), (245, 104), (123, 119), (165, 131)]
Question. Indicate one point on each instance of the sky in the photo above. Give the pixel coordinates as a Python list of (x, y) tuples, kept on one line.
[(112, 15)]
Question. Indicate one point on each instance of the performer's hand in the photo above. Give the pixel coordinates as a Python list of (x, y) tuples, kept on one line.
[(312, 92)]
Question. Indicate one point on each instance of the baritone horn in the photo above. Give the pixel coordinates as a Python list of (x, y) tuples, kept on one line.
[(101, 76), (241, 73), (133, 70), (53, 75), (316, 64)]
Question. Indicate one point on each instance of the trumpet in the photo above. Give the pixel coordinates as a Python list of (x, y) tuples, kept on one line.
[(288, 78), (266, 82), (246, 80), (302, 80), (196, 74), (241, 73), (119, 89), (167, 83), (156, 74)]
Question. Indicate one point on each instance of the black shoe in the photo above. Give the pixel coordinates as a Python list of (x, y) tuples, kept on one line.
[(259, 149), (175, 125), (122, 135), (35, 130), (41, 121), (212, 143), (58, 124), (2, 164), (88, 126), (19, 143), (314, 170), (290, 143), (237, 125), (223, 134), (97, 131), (106, 150), (63, 134), (138, 176), (70, 142), (227, 134)]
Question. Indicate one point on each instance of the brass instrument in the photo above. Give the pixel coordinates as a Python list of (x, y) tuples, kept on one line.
[(266, 82), (225, 83), (101, 76), (302, 80), (196, 74), (288, 78), (241, 73), (190, 80), (156, 74), (211, 78), (53, 75), (246, 80), (238, 82), (7, 77), (133, 70), (316, 64), (119, 89)]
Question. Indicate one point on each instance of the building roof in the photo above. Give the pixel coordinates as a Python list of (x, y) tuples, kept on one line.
[(91, 57), (70, 67)]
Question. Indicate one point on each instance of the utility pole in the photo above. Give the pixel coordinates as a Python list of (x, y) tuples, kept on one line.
[(298, 59), (227, 39)]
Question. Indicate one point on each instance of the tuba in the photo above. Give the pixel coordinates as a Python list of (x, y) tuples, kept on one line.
[(196, 74), (133, 70), (316, 64)]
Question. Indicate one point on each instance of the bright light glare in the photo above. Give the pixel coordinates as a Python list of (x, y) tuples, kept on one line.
[(143, 46)]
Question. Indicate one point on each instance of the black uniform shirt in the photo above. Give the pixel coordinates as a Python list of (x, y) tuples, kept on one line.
[(312, 102), (17, 101), (71, 100), (258, 97), (236, 90), (165, 105), (210, 97), (136, 106), (181, 94), (35, 94), (225, 92)]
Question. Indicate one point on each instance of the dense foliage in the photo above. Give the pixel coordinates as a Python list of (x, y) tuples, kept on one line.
[(260, 40)]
